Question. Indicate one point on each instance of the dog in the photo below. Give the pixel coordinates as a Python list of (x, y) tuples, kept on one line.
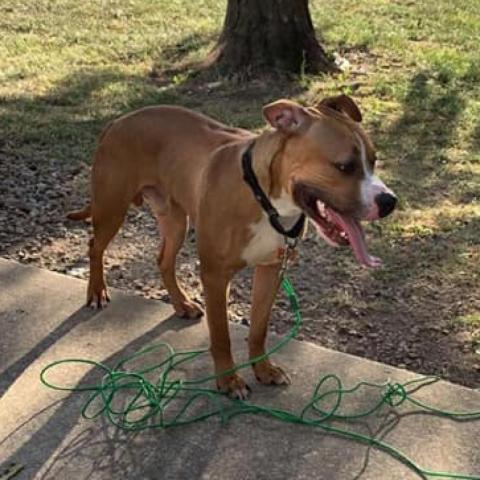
[(245, 194)]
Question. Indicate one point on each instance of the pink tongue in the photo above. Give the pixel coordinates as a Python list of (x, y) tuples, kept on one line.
[(356, 237)]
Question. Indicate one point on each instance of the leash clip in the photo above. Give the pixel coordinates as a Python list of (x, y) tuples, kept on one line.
[(290, 245)]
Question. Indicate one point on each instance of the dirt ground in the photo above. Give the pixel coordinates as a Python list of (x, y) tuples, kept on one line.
[(345, 307)]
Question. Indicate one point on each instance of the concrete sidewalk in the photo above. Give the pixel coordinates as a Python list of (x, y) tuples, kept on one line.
[(42, 319)]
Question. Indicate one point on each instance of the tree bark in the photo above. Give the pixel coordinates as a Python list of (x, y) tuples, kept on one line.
[(269, 35)]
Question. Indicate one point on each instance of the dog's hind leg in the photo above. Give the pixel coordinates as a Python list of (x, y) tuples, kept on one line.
[(110, 203), (105, 225), (172, 224)]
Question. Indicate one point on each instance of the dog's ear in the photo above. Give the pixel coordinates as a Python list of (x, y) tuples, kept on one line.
[(344, 104), (286, 116)]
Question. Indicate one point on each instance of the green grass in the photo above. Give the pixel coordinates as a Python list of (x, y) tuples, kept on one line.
[(67, 67)]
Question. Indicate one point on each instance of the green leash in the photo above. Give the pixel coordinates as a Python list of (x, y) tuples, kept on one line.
[(151, 404)]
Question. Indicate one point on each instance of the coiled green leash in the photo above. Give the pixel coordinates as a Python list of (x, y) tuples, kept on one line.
[(170, 401)]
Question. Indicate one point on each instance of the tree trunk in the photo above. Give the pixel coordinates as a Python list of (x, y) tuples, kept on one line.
[(266, 35)]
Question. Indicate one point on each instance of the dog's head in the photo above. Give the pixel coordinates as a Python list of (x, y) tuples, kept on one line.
[(328, 169)]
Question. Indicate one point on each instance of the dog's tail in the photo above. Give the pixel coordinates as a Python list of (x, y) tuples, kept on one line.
[(86, 212)]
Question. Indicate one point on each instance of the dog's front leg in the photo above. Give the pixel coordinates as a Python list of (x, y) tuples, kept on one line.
[(216, 286), (265, 286)]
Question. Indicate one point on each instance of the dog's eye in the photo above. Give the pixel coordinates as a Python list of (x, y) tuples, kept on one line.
[(347, 168)]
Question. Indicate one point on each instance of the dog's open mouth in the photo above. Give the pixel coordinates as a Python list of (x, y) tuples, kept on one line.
[(335, 228)]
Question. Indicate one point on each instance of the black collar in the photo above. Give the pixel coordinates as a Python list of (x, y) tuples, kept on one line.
[(273, 215)]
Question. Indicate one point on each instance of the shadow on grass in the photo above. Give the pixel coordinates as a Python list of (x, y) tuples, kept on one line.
[(419, 141), (173, 60), (75, 109), (475, 146)]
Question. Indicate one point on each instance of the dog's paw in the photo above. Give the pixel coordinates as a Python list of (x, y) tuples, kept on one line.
[(234, 386), (188, 309), (270, 374), (97, 298)]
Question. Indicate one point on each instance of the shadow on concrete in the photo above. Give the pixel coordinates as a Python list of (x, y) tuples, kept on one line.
[(43, 442), (61, 448), (103, 451), (12, 372)]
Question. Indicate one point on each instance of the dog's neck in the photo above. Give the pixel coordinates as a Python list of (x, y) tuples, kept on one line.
[(267, 162)]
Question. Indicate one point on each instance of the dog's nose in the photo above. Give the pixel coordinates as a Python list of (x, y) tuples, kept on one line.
[(386, 203)]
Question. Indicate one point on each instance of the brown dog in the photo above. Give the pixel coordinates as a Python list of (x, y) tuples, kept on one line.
[(317, 161)]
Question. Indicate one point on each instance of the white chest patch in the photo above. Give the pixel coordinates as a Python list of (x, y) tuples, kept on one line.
[(265, 242)]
